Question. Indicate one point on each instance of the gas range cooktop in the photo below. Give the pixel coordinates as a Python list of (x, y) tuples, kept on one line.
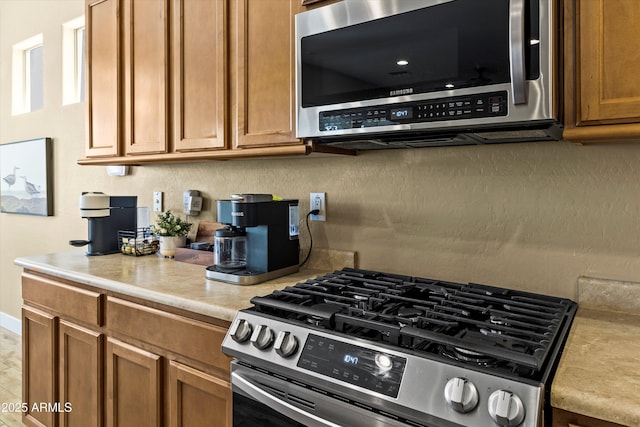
[(477, 340), (474, 324)]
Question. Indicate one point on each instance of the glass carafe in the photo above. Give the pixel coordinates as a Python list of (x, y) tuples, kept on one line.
[(230, 248)]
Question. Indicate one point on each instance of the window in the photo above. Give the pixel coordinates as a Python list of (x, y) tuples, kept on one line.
[(28, 75), (73, 61)]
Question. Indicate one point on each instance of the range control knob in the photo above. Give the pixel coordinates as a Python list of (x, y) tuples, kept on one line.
[(286, 344), (505, 408), (262, 337), (240, 330), (461, 394)]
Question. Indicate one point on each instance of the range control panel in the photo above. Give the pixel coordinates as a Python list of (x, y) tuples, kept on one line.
[(492, 104), (373, 370)]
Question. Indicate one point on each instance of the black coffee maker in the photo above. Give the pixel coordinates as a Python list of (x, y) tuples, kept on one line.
[(259, 241), (106, 216)]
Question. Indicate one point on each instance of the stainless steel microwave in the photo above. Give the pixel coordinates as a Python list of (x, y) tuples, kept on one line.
[(374, 74)]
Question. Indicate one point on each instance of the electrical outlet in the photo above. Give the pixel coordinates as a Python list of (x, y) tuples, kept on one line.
[(317, 201), (157, 201)]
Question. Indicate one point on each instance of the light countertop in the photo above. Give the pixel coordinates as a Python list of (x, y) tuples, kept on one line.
[(172, 283), (599, 375)]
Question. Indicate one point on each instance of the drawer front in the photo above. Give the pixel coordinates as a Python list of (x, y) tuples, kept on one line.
[(67, 301), (187, 337)]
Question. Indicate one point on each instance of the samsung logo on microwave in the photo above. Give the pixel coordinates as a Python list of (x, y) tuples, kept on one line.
[(397, 92)]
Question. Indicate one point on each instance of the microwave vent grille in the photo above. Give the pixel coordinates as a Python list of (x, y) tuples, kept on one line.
[(512, 135)]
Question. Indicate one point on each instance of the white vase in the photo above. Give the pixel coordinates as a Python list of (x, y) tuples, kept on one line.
[(168, 244)]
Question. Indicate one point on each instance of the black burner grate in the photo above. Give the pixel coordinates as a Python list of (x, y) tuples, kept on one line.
[(474, 324)]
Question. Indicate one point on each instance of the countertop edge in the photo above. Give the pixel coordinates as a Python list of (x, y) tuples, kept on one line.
[(592, 406), (170, 283), (218, 312), (592, 380)]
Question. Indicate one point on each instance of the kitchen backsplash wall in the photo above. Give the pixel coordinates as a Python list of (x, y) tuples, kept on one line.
[(530, 216)]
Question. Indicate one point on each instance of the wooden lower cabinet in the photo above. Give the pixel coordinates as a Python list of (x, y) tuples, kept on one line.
[(39, 361), (80, 372), (569, 419), (134, 379), (91, 373), (198, 399)]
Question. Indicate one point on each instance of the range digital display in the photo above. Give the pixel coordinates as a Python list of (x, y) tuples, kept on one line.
[(373, 370)]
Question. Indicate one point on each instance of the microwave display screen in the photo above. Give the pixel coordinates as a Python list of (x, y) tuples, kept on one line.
[(401, 113), (452, 45)]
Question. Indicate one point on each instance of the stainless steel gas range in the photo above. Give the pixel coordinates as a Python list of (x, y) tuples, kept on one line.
[(363, 348)]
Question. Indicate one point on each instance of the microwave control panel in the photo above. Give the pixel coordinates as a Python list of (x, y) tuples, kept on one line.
[(492, 104)]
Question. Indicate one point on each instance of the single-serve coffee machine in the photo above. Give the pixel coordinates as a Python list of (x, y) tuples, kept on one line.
[(259, 240), (106, 216)]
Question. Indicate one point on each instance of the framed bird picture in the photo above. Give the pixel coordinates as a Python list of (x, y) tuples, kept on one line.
[(26, 177)]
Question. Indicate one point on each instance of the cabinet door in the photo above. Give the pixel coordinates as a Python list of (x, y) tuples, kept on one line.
[(145, 42), (199, 74), (263, 72), (81, 356), (133, 386), (103, 79), (39, 361), (569, 419), (608, 46), (198, 399)]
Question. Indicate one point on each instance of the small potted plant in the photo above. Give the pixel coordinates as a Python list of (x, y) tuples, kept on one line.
[(171, 231)]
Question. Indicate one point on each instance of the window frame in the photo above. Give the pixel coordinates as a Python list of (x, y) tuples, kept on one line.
[(73, 61), (21, 82)]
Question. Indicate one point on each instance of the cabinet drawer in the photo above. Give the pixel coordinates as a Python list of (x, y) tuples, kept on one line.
[(65, 300), (187, 337)]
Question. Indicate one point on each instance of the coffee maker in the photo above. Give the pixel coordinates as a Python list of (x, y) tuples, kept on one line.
[(259, 240), (106, 216)]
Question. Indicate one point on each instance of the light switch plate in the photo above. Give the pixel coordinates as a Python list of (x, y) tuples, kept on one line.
[(157, 201)]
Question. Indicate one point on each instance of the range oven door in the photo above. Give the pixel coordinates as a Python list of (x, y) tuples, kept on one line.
[(261, 399)]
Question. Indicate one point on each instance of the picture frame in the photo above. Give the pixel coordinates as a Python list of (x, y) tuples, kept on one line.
[(26, 177)]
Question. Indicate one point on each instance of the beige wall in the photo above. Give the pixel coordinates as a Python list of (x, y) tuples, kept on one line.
[(528, 216)]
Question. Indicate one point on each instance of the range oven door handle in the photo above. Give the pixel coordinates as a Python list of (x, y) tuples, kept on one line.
[(253, 391), (516, 51)]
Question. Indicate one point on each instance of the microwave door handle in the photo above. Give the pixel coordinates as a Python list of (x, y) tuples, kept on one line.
[(516, 51)]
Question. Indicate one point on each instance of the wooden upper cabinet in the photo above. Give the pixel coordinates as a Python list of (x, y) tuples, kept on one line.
[(263, 72), (145, 32), (191, 80), (602, 42), (103, 79), (199, 74)]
